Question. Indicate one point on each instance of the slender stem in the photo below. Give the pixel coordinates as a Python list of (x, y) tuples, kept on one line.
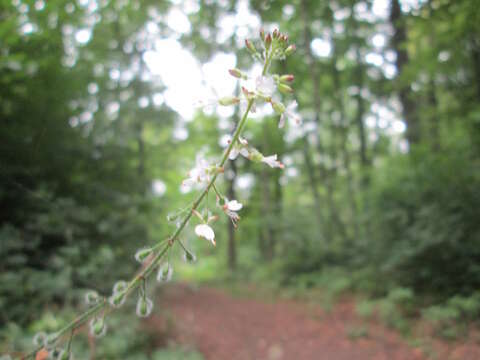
[(217, 192), (147, 270)]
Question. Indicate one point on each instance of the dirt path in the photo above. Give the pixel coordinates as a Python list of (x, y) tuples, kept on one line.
[(223, 327)]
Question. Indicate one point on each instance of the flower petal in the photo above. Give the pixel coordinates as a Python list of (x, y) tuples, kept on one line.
[(281, 123), (234, 205), (205, 231)]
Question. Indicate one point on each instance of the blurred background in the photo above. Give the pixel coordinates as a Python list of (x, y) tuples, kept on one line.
[(378, 204)]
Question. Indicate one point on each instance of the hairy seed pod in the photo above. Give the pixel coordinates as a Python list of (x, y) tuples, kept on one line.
[(189, 257), (91, 297), (142, 254), (144, 307), (50, 341), (117, 299), (64, 355), (120, 286), (98, 328), (39, 338), (165, 273)]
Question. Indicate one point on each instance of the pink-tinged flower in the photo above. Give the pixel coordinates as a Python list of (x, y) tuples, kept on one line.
[(240, 147), (199, 174), (205, 231), (291, 113), (265, 86), (233, 205), (230, 208), (272, 161)]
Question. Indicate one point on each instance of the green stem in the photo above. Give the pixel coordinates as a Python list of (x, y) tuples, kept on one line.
[(145, 272)]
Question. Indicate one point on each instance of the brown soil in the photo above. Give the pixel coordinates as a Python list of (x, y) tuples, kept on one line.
[(223, 327)]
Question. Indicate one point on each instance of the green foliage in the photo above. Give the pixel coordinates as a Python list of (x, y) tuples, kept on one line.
[(452, 318), (426, 227)]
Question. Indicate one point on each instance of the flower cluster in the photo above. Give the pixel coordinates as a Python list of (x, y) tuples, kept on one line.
[(202, 173), (253, 154), (263, 89)]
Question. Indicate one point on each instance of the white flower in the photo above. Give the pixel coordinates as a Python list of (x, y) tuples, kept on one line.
[(230, 208), (272, 161), (205, 231), (199, 174), (240, 147), (233, 205), (292, 115), (265, 85)]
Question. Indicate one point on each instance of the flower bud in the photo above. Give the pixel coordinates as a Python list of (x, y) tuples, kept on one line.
[(236, 73), (268, 41), (255, 155), (290, 50), (276, 33), (279, 108), (287, 78), (39, 338), (262, 34), (91, 297), (165, 273), (285, 89), (228, 100), (142, 254), (144, 306), (98, 328), (250, 46), (117, 299), (246, 93)]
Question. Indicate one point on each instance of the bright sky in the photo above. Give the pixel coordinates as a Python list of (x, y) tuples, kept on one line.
[(187, 81)]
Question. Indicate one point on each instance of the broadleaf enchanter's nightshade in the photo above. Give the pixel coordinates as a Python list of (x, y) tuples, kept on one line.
[(274, 46)]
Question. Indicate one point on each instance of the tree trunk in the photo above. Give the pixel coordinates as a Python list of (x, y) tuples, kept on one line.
[(267, 234), (312, 179), (344, 127), (324, 176), (399, 38)]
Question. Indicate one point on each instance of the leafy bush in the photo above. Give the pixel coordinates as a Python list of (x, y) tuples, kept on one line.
[(426, 229)]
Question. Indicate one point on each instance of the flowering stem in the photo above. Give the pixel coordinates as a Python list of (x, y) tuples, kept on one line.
[(147, 270)]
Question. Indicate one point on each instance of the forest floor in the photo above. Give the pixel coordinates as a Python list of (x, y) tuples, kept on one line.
[(226, 327)]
